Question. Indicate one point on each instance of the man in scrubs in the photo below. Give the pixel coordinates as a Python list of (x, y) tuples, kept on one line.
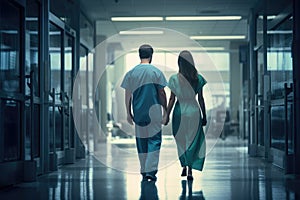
[(145, 96)]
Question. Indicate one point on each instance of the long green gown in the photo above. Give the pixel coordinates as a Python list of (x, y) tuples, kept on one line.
[(187, 122)]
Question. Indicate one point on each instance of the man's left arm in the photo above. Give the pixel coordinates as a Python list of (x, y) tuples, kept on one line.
[(128, 106)]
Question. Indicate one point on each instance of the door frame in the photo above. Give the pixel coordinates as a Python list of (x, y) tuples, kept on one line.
[(65, 155)]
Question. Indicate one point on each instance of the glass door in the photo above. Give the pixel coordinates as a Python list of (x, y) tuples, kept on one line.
[(62, 61), (280, 68), (11, 76), (56, 67), (68, 84), (32, 81)]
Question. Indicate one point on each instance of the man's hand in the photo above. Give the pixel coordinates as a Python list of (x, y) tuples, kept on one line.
[(130, 119), (165, 119)]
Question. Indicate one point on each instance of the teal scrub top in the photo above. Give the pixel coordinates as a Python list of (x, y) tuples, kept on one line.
[(144, 81)]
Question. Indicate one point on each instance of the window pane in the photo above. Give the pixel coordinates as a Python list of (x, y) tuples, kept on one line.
[(32, 44), (90, 79), (9, 47), (36, 131), (277, 127), (83, 75), (55, 51), (279, 57), (69, 43), (259, 30), (10, 115), (55, 59)]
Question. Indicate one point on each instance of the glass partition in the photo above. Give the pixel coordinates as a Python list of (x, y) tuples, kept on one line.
[(55, 51), (69, 58), (11, 128), (10, 81), (279, 57), (10, 47), (32, 44), (68, 80), (280, 66), (32, 67), (277, 127)]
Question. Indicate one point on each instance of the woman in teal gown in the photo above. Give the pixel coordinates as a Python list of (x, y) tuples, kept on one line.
[(189, 114)]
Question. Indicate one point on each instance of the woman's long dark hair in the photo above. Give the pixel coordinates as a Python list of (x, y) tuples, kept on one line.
[(187, 67)]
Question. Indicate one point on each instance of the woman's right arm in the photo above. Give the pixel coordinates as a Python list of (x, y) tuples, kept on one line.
[(202, 106)]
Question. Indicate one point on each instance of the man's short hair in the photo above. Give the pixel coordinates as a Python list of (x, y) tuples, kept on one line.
[(145, 51)]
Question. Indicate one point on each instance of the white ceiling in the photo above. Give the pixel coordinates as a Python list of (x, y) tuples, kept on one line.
[(100, 11)]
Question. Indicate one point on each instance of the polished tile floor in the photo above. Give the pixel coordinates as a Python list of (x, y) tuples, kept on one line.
[(229, 173)]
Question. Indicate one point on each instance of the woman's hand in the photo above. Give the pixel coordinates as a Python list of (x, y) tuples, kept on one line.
[(204, 121)]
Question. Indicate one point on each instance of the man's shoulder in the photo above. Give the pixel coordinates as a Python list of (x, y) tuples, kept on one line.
[(132, 69), (154, 68)]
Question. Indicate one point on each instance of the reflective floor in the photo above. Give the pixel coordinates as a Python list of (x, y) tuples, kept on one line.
[(229, 173)]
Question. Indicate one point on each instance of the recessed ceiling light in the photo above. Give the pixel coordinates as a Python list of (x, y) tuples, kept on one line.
[(280, 32), (269, 17), (141, 32), (218, 37), (207, 49), (202, 18), (131, 19), (31, 19), (191, 48)]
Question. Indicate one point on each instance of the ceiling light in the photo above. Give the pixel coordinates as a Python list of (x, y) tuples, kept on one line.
[(31, 19), (202, 18), (269, 17), (130, 19), (280, 32), (141, 32), (191, 48), (218, 37), (206, 48)]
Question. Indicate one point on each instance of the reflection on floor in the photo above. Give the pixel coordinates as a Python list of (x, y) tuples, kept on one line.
[(229, 173)]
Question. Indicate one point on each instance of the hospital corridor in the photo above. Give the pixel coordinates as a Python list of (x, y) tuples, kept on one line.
[(148, 100)]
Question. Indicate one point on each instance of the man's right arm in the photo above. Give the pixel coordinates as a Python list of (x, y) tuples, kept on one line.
[(128, 106)]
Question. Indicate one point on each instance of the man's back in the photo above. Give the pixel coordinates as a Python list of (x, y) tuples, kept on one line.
[(144, 81)]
